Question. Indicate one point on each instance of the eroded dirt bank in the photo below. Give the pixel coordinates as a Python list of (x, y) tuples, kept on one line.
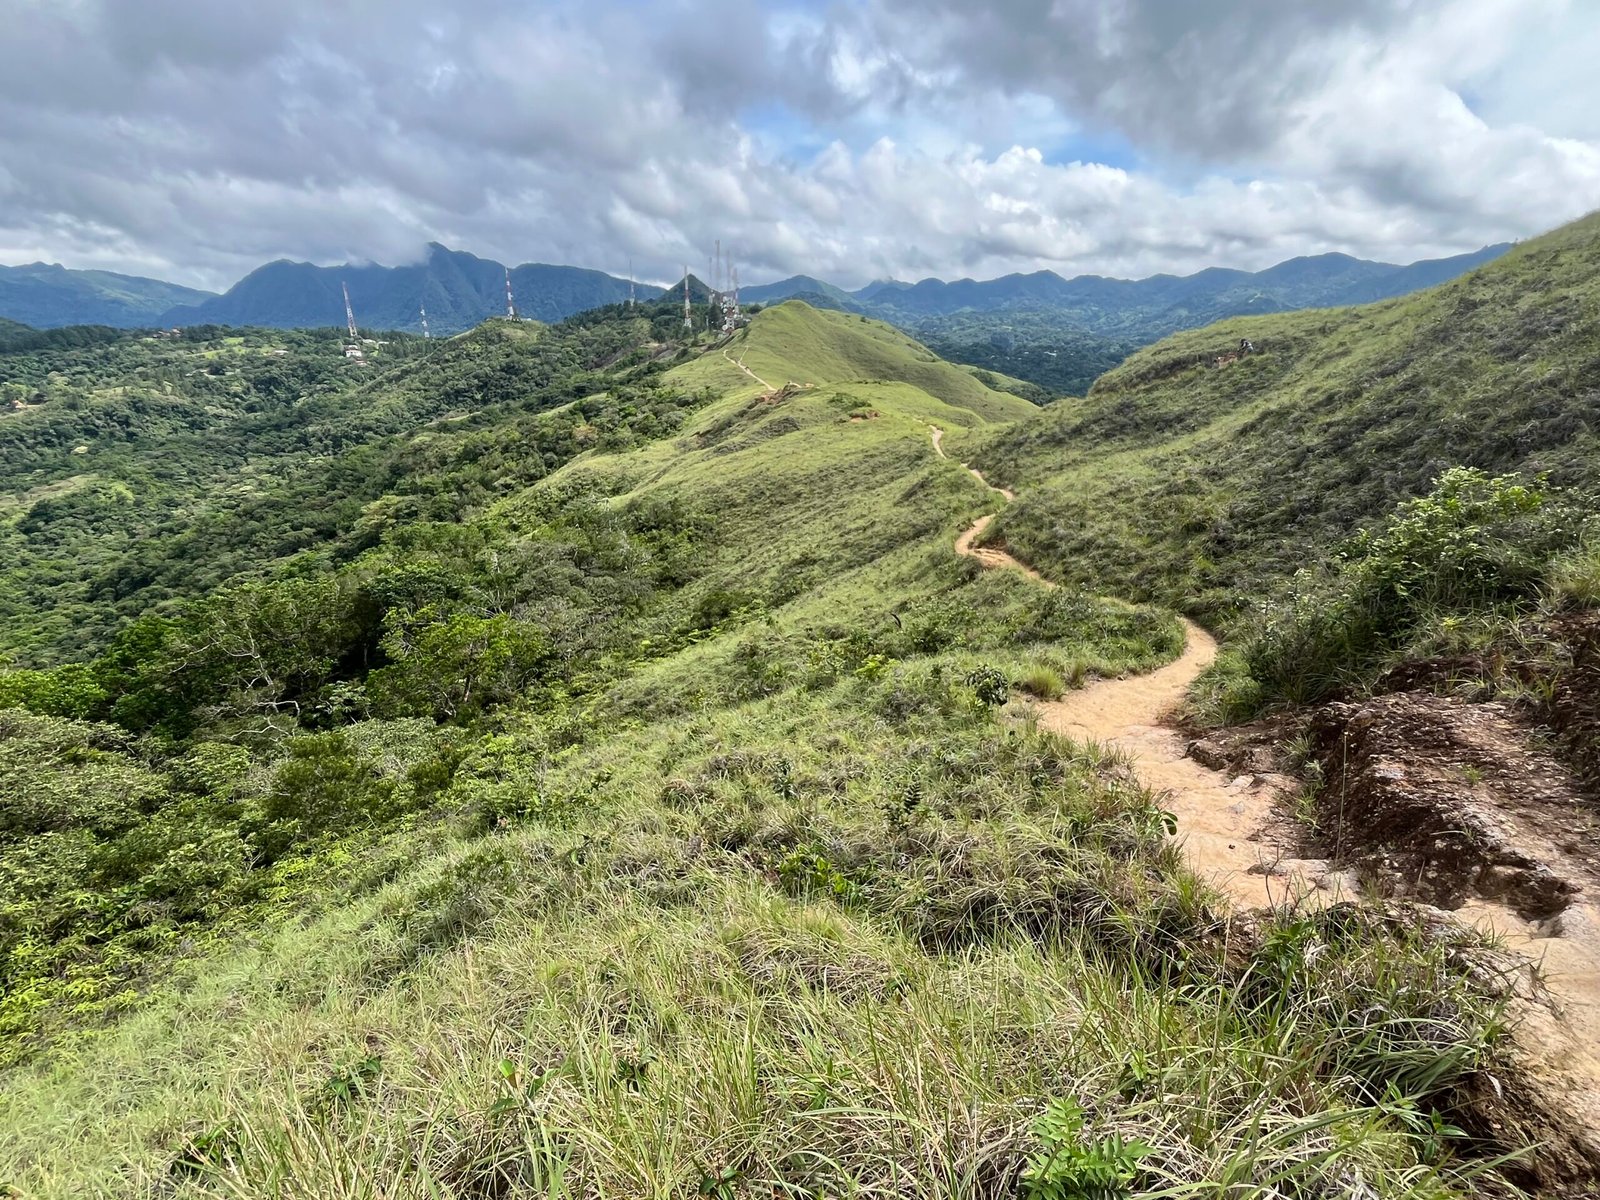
[(1461, 806)]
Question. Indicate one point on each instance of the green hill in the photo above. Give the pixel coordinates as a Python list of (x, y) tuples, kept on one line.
[(1197, 485), (795, 343), (562, 761)]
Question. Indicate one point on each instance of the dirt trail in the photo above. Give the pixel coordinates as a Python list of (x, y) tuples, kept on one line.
[(1220, 819), (740, 364), (1222, 826)]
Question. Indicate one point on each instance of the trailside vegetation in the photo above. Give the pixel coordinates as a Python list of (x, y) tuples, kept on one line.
[(573, 761)]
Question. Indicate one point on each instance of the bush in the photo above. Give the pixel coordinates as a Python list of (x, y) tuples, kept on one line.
[(321, 787), (1574, 578), (1476, 542), (989, 685), (1044, 681)]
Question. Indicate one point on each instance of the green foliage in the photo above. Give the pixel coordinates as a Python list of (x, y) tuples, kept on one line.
[(1070, 1166), (1183, 482), (1047, 348), (320, 787), (1043, 681), (991, 686), (1474, 542), (60, 775), (458, 665)]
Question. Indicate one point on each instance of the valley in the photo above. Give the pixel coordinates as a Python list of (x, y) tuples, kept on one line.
[(595, 759)]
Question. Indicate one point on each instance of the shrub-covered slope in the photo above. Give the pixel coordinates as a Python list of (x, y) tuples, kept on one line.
[(1194, 483)]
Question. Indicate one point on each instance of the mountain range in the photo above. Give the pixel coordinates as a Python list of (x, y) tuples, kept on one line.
[(1142, 309), (461, 289)]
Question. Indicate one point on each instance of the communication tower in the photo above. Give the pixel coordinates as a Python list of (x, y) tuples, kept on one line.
[(511, 305), (425, 332), (349, 313), (688, 321)]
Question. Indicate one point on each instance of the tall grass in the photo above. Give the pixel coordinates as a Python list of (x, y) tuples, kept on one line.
[(859, 962)]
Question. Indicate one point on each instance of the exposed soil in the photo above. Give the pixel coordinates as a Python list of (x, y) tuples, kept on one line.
[(1457, 805), (1224, 820), (739, 362), (1452, 805)]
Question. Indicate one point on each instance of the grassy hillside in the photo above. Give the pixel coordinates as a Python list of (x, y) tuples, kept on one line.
[(795, 343), (630, 802), (1194, 484)]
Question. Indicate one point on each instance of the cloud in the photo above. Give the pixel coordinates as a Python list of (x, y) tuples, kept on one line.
[(193, 139)]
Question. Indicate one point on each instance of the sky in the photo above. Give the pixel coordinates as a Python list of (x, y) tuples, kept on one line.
[(192, 140)]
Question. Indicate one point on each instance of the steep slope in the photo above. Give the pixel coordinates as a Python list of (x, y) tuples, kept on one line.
[(1182, 479), (47, 295), (458, 289)]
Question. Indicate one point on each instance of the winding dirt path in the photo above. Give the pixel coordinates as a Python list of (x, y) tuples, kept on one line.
[(1221, 828), (1220, 819), (740, 364)]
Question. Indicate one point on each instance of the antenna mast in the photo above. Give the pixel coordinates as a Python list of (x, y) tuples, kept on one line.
[(349, 313), (630, 282), (425, 332), (688, 321), (511, 305)]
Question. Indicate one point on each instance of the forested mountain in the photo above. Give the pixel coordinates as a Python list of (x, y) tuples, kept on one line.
[(510, 762), (1146, 309), (44, 295), (1054, 332), (458, 289)]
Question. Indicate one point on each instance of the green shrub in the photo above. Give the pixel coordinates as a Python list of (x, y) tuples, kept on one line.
[(990, 686), (1072, 1166), (1225, 693), (1574, 578), (1044, 681), (1476, 542), (321, 787)]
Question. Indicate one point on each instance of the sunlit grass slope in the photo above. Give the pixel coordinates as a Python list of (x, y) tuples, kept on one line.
[(795, 343), (1190, 483), (796, 902)]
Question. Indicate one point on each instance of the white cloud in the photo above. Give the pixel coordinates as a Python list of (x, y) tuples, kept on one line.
[(192, 139)]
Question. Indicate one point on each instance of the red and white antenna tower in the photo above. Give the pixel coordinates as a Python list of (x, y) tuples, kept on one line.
[(630, 282), (425, 332), (511, 305), (349, 313), (688, 321)]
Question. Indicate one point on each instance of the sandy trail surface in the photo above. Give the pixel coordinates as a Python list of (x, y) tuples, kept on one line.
[(1222, 828), (1220, 819), (740, 364)]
